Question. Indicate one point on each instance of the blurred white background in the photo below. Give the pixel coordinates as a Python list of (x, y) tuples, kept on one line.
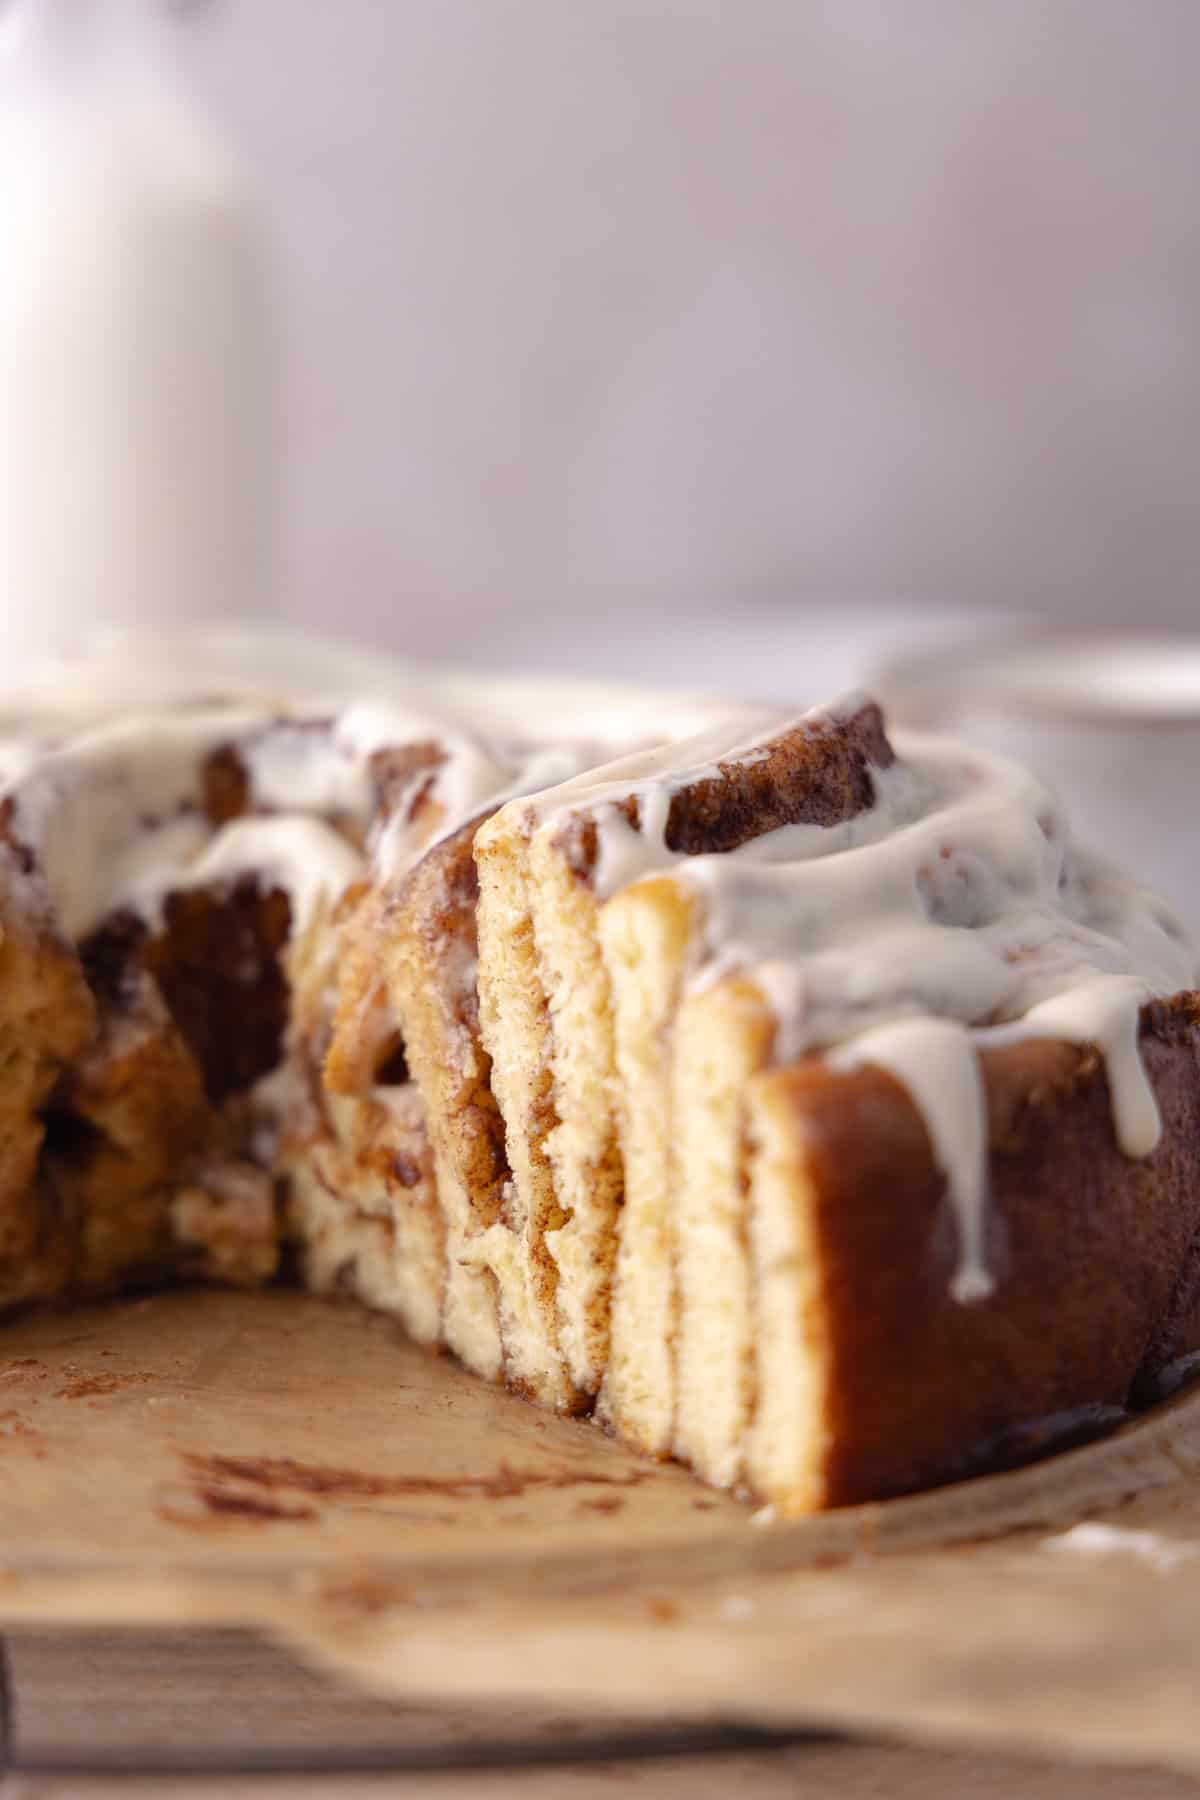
[(605, 309)]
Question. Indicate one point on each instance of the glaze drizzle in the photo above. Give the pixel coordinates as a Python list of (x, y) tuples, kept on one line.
[(953, 913)]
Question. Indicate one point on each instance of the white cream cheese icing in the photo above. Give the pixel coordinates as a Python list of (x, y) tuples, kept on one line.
[(109, 808), (304, 857), (951, 914), (298, 768), (115, 812), (930, 1059)]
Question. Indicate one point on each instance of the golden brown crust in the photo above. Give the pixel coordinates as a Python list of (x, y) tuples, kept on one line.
[(1087, 1245)]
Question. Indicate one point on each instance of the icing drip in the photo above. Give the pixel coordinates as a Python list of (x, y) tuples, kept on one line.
[(933, 1059), (1103, 1012)]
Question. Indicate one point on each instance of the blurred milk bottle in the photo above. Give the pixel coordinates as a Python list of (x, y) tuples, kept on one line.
[(135, 483)]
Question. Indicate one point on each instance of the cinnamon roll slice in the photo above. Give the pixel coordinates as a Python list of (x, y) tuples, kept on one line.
[(577, 1041), (413, 946)]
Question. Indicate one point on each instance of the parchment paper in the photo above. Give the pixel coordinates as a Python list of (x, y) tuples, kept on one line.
[(293, 1465)]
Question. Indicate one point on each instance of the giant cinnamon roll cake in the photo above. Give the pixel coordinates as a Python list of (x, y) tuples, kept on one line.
[(799, 1100)]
